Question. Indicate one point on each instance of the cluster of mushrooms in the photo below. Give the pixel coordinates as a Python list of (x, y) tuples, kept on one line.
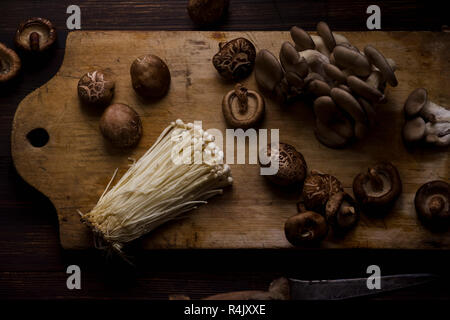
[(120, 124), (344, 82), (426, 122), (324, 203), (33, 38)]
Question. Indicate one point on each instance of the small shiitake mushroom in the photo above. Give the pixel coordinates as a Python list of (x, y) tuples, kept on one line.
[(205, 12), (341, 211), (432, 202), (150, 76), (96, 88), (243, 108), (317, 190), (235, 59), (9, 63), (121, 125), (35, 35), (378, 188), (291, 165), (305, 228)]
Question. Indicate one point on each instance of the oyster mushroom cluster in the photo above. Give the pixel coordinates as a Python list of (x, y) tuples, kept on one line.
[(426, 122), (344, 82)]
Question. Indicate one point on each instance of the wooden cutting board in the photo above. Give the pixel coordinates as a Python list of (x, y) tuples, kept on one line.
[(73, 168)]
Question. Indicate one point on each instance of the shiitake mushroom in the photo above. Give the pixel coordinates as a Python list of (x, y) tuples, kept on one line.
[(305, 228), (432, 202), (291, 165), (35, 35), (317, 190), (377, 189), (121, 125), (243, 108), (235, 59), (150, 76), (96, 88), (342, 212)]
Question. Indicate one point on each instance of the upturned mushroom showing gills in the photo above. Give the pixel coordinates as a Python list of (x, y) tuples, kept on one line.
[(306, 228), (9, 64), (342, 211), (243, 108), (426, 122), (96, 88), (378, 188), (318, 189), (150, 76), (235, 59), (432, 202), (291, 165), (35, 35)]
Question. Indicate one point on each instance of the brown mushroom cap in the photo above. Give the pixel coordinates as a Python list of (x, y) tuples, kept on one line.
[(235, 59), (432, 202), (291, 60), (291, 165), (331, 116), (415, 102), (342, 211), (319, 88), (305, 228), (347, 102), (318, 188), (10, 63), (302, 39), (150, 76), (369, 111), (35, 34), (121, 125), (335, 73), (378, 60), (243, 108), (414, 130), (325, 33), (268, 71), (379, 187), (346, 58), (96, 88), (364, 89), (206, 12), (328, 136)]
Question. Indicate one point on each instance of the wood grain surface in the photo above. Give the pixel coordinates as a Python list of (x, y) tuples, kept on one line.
[(76, 164)]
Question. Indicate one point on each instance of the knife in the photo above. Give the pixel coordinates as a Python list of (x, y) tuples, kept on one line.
[(294, 289)]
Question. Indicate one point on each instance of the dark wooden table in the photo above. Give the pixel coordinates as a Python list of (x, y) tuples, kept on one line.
[(32, 263)]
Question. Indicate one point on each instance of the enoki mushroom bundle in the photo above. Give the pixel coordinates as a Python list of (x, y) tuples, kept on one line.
[(180, 171)]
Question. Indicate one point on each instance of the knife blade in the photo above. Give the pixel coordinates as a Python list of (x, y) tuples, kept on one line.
[(351, 288)]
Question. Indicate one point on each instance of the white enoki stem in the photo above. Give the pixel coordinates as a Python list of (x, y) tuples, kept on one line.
[(155, 189)]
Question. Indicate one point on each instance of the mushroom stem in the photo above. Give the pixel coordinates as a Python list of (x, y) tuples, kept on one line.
[(242, 95), (436, 204), (34, 41), (307, 234), (435, 113), (375, 180), (348, 210)]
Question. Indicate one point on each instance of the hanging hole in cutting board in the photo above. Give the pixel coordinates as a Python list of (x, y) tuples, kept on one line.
[(38, 137)]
